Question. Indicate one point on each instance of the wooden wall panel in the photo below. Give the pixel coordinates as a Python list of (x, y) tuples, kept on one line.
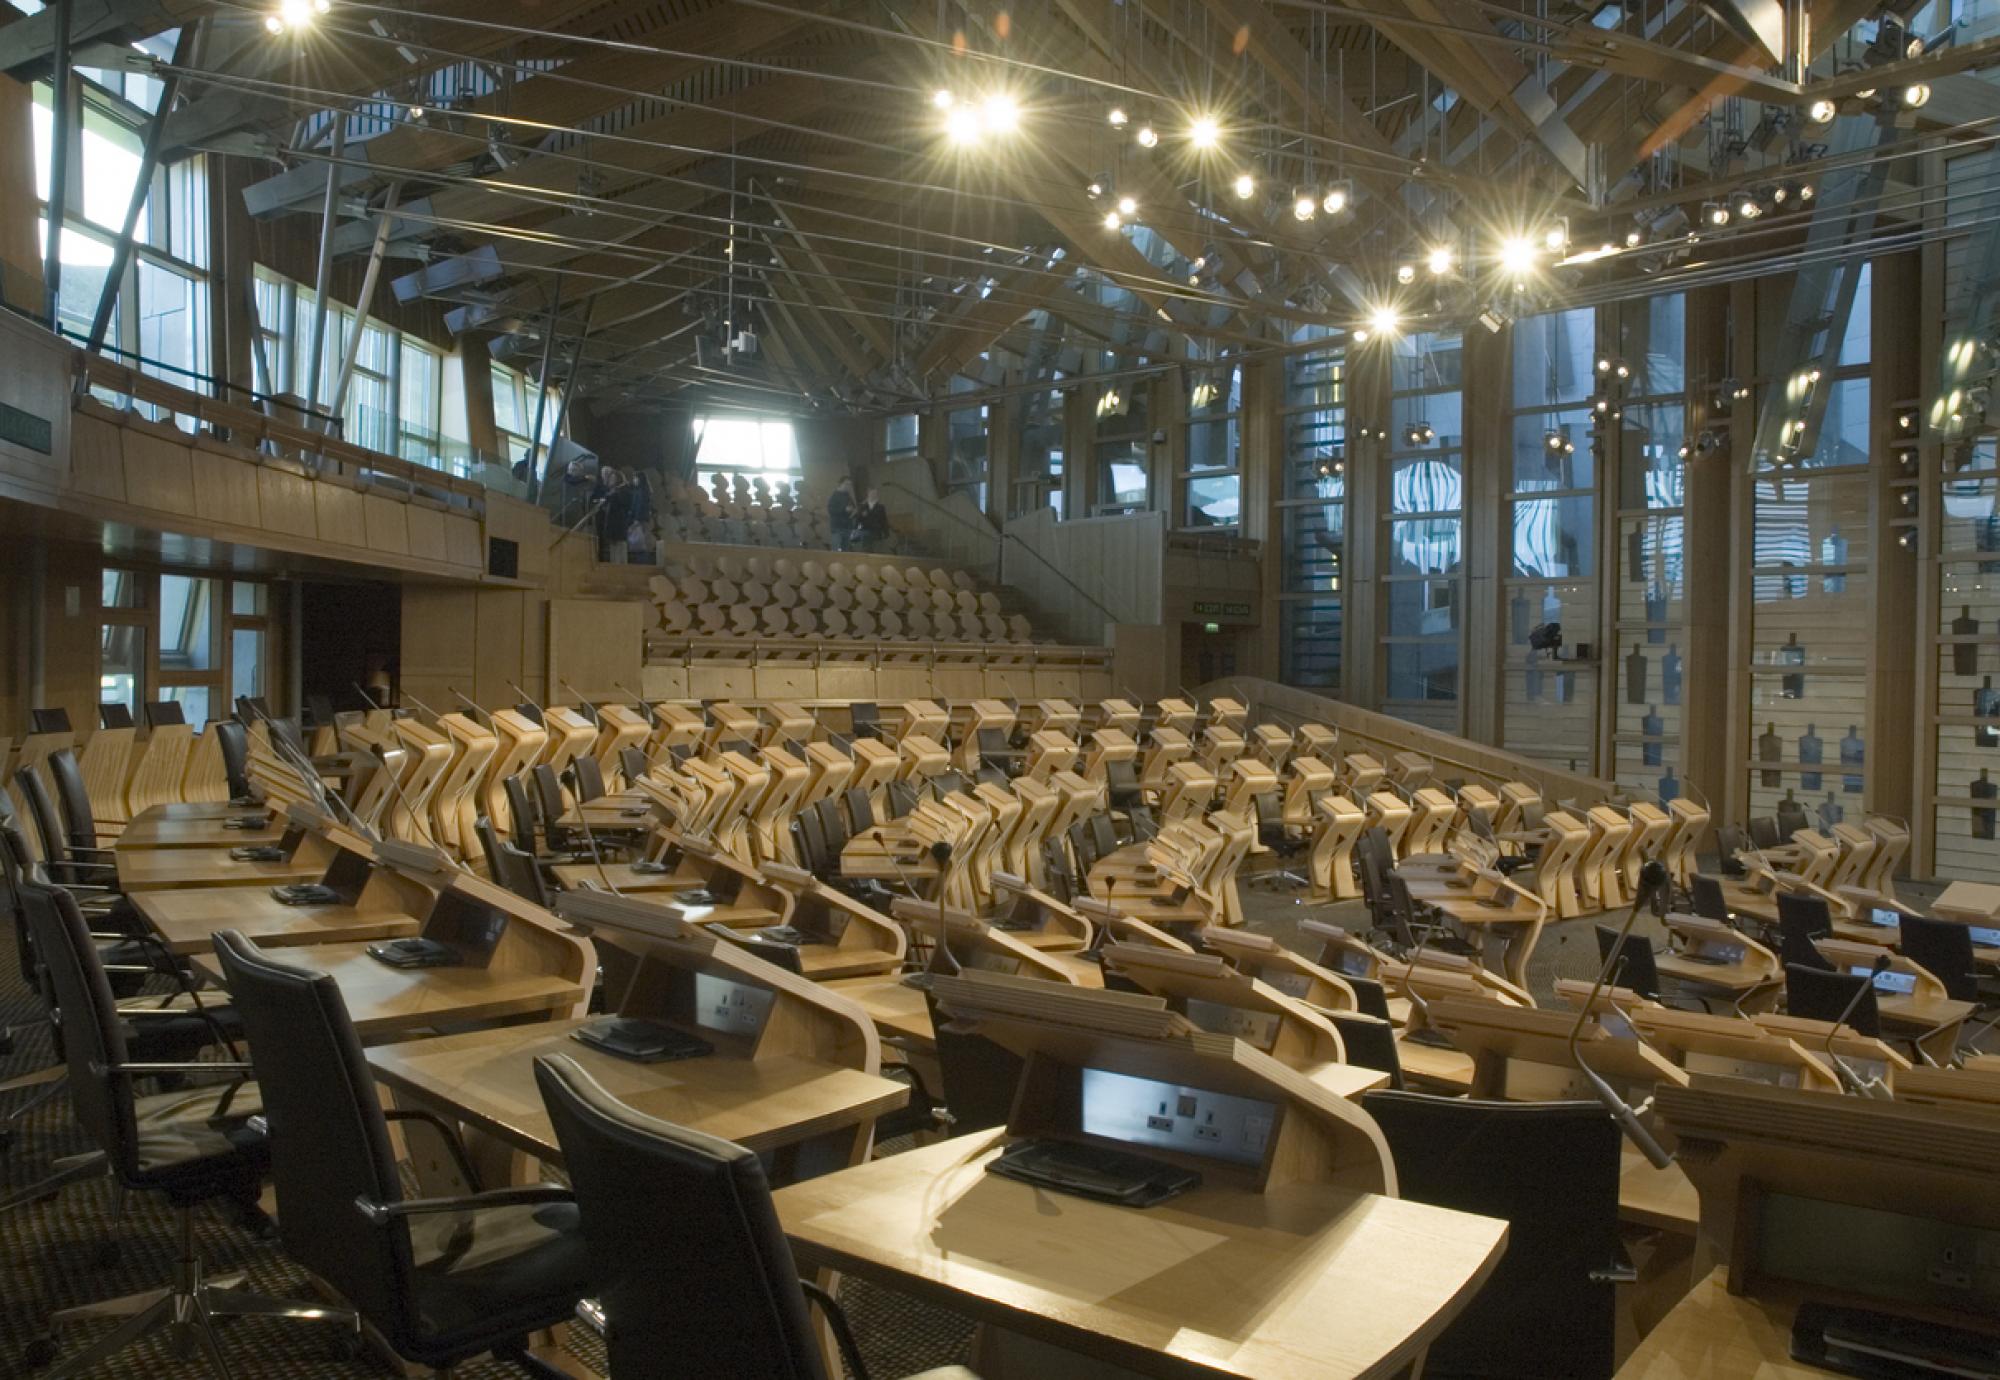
[(596, 646), (36, 381), (225, 490), (286, 501), (426, 528), (464, 543), (158, 473), (340, 514), (440, 640), (388, 530), (527, 526), (97, 457)]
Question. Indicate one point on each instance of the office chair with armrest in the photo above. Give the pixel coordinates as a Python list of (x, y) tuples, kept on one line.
[(1705, 894), (1551, 1170), (1821, 994), (440, 1280), (1371, 998), (902, 797), (72, 798), (633, 763), (521, 812), (1636, 969), (1729, 841), (1370, 1042), (1764, 832), (233, 740), (1801, 920), (193, 1146), (559, 838), (66, 864), (979, 1075), (729, 1302), (865, 719), (589, 778), (1944, 949)]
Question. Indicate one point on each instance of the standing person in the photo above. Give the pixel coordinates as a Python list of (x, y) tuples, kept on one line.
[(874, 522), (840, 512)]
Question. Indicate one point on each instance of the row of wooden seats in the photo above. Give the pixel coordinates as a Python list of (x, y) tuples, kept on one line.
[(124, 772), (859, 598)]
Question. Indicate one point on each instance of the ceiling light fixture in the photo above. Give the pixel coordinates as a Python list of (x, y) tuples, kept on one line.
[(1117, 117), (1304, 205), (1147, 136), (1335, 200), (1406, 273), (1517, 255), (1000, 114), (1384, 320), (1440, 260), (1204, 132), (1245, 186), (943, 99), (1822, 111)]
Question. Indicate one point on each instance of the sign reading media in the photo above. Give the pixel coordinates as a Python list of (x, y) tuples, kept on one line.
[(1214, 609)]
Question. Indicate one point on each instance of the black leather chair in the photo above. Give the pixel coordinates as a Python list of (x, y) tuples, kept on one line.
[(67, 865), (1371, 998), (1370, 1042), (979, 1075), (866, 720), (441, 1280), (79, 820), (633, 763), (550, 807), (1636, 969), (589, 778), (1706, 895), (1801, 920), (690, 1263), (521, 810), (1943, 948), (193, 1146), (1764, 832), (1551, 1170), (1821, 994), (1791, 817), (233, 739)]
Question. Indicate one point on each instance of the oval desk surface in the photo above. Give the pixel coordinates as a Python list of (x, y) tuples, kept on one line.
[(1307, 1281)]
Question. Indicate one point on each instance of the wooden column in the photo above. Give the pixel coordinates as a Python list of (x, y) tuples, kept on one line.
[(1363, 666), (1484, 538), (1730, 797), (1261, 462), (1709, 718), (1902, 661), (481, 432)]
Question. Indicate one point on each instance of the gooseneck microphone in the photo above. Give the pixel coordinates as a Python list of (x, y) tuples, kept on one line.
[(1652, 877), (1850, 1079)]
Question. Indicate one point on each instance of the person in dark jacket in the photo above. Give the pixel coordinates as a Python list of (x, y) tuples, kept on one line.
[(840, 512), (874, 522)]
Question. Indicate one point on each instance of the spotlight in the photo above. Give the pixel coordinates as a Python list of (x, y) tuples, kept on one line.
[(1117, 117), (1000, 113), (1780, 194), (1555, 237), (1805, 191), (1748, 207), (1335, 200), (1204, 132), (1127, 205), (1633, 237), (1245, 186), (1406, 273), (1096, 186), (1147, 136), (1685, 450), (1304, 206), (416, 112), (1715, 213), (295, 14), (1440, 260), (1383, 320), (1916, 95), (1517, 255), (1822, 111), (961, 125), (943, 99), (1906, 421), (1603, 365), (1360, 336), (1553, 440), (1112, 220)]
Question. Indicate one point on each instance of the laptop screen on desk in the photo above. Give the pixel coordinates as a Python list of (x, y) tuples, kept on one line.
[(1169, 1116)]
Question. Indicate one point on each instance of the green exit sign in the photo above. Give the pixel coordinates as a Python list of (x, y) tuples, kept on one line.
[(26, 430)]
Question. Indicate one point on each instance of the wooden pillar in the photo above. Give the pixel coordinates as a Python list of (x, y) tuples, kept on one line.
[(20, 252), (1485, 542), (1902, 662), (1730, 798), (1710, 721), (1260, 462), (1363, 666), (232, 283), (480, 430)]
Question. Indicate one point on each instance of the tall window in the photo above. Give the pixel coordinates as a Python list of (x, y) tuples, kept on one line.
[(966, 459), (900, 436), (1122, 446), (161, 318), (754, 447), (1038, 473), (1212, 484), (1312, 517), (395, 396), (517, 403), (1423, 578), (191, 639), (1647, 653), (1550, 705), (1811, 587)]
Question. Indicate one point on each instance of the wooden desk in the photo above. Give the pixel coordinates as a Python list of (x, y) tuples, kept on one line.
[(1659, 1198), (487, 1079), (188, 919), (898, 1010), (1714, 1333), (383, 1000), (153, 830), (167, 868), (1305, 1281)]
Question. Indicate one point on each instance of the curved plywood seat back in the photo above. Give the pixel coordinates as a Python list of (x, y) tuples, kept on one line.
[(207, 779), (106, 763), (163, 762), (455, 807)]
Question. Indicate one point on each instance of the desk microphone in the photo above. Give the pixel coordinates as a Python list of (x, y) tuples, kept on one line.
[(1651, 878), (381, 751), (469, 703), (331, 801), (941, 851), (589, 835), (1850, 1080)]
